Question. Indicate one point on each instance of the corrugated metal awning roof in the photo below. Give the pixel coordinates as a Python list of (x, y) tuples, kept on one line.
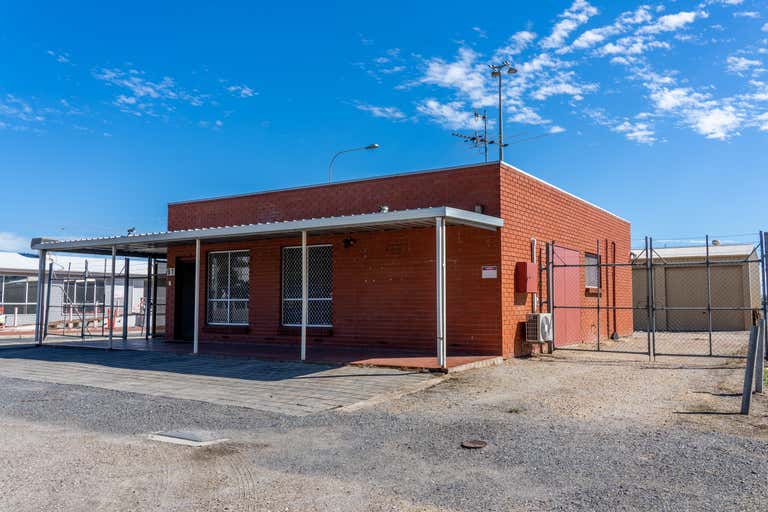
[(154, 244), (699, 252)]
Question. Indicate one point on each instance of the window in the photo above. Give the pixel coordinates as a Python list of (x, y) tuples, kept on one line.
[(592, 270), (18, 294), (228, 280), (319, 284)]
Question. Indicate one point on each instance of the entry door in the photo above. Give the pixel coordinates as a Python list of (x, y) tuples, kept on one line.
[(567, 293), (184, 324)]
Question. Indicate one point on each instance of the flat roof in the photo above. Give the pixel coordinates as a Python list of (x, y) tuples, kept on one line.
[(155, 244), (699, 251), (13, 263)]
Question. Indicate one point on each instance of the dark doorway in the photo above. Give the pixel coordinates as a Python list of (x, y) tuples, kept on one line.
[(185, 300)]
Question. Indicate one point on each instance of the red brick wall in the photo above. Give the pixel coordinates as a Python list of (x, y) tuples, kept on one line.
[(383, 291), (384, 286), (461, 187), (533, 209)]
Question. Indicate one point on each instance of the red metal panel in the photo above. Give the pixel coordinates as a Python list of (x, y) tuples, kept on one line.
[(526, 277), (566, 293)]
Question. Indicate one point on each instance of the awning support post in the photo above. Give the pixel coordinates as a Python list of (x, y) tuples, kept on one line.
[(196, 336), (126, 296), (304, 295), (440, 268), (47, 308), (112, 299), (148, 300), (39, 316)]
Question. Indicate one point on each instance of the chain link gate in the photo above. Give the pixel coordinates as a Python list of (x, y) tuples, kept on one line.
[(688, 301)]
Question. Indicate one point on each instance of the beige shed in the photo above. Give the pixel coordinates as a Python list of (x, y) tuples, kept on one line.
[(680, 281)]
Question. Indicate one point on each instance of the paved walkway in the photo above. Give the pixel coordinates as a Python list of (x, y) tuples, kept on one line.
[(295, 389)]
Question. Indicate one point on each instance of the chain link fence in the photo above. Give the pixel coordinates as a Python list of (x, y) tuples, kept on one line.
[(699, 299)]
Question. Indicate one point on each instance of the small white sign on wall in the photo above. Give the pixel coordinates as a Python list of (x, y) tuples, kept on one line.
[(489, 272), (170, 271)]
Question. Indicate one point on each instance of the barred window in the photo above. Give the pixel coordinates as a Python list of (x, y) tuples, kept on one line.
[(319, 284), (591, 270), (228, 280)]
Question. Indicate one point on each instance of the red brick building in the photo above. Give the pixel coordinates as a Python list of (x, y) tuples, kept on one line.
[(372, 254)]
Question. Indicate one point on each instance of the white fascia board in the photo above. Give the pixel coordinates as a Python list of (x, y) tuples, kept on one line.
[(454, 215)]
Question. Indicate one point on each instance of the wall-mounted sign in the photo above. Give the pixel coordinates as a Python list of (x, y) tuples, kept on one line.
[(489, 272), (171, 271)]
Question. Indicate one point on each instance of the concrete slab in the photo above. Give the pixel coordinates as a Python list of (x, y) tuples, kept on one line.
[(294, 389)]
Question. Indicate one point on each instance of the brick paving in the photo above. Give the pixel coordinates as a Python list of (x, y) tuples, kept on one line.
[(290, 388)]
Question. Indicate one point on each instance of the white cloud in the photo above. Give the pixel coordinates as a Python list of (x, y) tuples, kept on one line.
[(383, 112), (518, 42), (638, 132), (13, 242), (242, 90), (449, 115), (480, 32), (717, 123), (740, 65), (16, 109), (673, 22), (623, 23), (763, 121), (747, 14), (575, 16), (146, 96), (562, 88), (765, 28), (556, 129), (465, 75), (61, 57)]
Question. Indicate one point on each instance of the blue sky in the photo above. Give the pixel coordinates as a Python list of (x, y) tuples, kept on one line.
[(657, 111)]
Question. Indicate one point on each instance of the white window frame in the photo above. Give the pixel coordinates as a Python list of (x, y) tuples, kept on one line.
[(588, 266), (283, 300), (229, 287)]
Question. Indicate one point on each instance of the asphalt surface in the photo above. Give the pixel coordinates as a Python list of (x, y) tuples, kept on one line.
[(71, 447)]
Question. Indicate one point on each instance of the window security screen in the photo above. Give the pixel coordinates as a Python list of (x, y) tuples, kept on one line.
[(228, 280), (320, 285)]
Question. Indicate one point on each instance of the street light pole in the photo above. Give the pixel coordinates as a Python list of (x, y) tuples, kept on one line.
[(330, 165), (496, 71)]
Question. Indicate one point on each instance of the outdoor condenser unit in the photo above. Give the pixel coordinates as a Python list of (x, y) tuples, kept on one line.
[(538, 328)]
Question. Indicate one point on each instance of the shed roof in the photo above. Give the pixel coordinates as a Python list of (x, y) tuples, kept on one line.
[(735, 251)]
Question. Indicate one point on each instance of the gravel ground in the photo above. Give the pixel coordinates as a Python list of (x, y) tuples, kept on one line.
[(566, 433)]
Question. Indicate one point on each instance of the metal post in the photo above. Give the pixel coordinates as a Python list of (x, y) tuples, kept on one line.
[(764, 270), (304, 294), (746, 394), (709, 295), (501, 123), (535, 260), (653, 301), (760, 357), (83, 302), (40, 287), (47, 308), (648, 294), (599, 291), (147, 299), (551, 290), (112, 299), (441, 309), (196, 335), (154, 298), (126, 288), (103, 303)]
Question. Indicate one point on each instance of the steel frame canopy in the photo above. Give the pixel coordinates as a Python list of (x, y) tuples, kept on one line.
[(156, 244)]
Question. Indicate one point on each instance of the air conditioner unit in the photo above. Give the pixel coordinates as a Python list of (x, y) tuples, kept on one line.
[(538, 328)]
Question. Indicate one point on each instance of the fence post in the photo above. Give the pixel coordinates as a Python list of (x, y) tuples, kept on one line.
[(760, 357), (746, 394), (648, 293), (599, 291), (709, 294), (47, 308), (764, 270)]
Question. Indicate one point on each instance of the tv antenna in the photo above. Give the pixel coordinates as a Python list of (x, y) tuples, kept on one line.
[(479, 139)]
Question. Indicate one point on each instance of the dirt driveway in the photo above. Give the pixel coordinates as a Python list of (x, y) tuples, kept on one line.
[(576, 432)]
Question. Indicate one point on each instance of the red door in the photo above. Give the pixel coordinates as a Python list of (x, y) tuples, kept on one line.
[(566, 293)]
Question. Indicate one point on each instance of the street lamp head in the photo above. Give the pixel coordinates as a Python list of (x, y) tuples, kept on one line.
[(372, 146), (495, 74), (511, 70)]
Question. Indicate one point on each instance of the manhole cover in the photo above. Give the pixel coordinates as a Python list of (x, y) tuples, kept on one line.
[(187, 438), (474, 444)]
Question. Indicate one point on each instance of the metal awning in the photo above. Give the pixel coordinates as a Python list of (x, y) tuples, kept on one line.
[(156, 244)]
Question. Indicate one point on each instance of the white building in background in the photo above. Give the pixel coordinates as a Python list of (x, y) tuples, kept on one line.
[(79, 290)]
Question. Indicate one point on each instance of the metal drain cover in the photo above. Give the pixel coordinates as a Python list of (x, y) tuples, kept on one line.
[(187, 438), (474, 444)]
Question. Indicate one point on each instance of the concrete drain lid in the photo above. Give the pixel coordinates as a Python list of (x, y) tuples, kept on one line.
[(473, 444), (187, 438)]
